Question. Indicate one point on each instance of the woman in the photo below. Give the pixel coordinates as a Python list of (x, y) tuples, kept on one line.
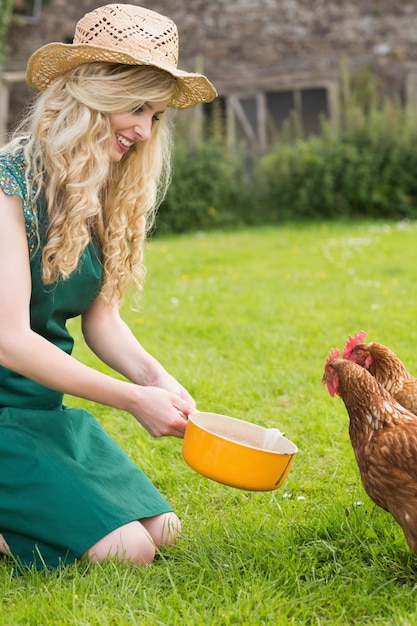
[(79, 186)]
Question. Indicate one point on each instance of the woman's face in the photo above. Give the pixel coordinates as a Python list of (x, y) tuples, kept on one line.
[(132, 126)]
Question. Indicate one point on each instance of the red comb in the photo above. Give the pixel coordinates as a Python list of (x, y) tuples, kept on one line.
[(352, 342), (333, 354)]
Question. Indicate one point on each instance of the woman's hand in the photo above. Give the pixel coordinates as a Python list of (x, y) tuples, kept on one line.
[(169, 383), (161, 412)]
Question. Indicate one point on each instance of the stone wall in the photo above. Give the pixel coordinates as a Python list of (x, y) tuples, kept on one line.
[(243, 40), (246, 45)]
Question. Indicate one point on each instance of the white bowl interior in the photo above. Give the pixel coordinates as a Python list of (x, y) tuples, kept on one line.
[(244, 433)]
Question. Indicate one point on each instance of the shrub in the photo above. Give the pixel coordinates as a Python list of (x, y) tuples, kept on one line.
[(207, 189), (364, 166)]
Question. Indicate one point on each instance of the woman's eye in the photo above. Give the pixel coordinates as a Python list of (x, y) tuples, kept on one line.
[(141, 108)]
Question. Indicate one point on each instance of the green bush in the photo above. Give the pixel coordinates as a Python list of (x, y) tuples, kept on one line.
[(206, 192), (365, 166)]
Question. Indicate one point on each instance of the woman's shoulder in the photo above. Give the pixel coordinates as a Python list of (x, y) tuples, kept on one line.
[(13, 182)]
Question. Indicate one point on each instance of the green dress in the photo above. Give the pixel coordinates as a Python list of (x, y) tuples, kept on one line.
[(64, 482)]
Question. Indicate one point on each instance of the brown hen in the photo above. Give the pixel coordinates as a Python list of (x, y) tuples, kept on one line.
[(384, 439), (386, 367)]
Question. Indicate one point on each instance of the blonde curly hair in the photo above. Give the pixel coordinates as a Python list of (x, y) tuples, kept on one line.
[(87, 195)]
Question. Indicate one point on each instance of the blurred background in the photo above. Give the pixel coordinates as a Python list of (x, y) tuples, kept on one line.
[(286, 71)]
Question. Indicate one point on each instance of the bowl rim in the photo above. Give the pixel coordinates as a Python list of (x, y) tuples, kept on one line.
[(241, 443)]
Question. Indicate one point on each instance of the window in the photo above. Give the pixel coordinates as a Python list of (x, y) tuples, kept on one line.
[(258, 118)]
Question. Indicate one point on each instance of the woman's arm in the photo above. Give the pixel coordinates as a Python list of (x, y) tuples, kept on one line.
[(24, 351), (113, 342)]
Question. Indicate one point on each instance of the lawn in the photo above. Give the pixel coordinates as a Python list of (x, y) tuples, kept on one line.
[(245, 320)]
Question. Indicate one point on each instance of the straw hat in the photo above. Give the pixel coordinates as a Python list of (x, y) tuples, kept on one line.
[(125, 34)]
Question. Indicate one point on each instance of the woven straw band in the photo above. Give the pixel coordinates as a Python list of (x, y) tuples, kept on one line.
[(125, 34)]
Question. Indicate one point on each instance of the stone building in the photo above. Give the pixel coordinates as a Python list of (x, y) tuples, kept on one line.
[(266, 57)]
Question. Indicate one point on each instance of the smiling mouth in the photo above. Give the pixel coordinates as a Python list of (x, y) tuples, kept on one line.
[(123, 141)]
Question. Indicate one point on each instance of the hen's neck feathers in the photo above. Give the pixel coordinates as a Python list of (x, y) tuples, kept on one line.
[(386, 367), (369, 405)]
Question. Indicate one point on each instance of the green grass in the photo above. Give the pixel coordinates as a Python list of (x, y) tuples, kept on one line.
[(245, 320)]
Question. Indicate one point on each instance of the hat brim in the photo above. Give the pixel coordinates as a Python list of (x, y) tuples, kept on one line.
[(55, 59)]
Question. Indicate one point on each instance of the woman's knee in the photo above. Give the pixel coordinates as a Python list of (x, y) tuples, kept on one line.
[(131, 542), (4, 548), (163, 529)]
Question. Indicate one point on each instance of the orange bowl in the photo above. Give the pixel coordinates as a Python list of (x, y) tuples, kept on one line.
[(237, 453)]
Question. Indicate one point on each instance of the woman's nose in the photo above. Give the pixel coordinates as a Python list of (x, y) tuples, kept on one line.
[(143, 130)]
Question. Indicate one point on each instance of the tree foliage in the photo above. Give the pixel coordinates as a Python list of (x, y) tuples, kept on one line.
[(6, 12)]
